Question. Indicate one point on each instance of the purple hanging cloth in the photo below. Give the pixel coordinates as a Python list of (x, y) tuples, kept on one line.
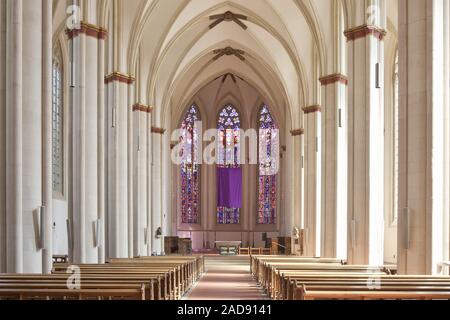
[(229, 187)]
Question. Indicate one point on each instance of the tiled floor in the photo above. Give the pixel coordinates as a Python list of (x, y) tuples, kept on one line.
[(226, 278)]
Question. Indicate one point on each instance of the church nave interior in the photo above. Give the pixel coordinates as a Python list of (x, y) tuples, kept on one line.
[(212, 149)]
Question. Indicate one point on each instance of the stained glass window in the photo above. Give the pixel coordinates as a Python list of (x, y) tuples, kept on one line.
[(190, 168), (267, 182), (228, 152), (57, 127)]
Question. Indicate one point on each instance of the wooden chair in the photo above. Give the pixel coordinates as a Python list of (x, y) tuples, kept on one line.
[(244, 251), (255, 251)]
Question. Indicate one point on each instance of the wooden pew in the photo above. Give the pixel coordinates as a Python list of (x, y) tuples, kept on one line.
[(196, 265), (296, 278), (354, 291), (87, 281), (370, 282), (68, 294), (181, 271), (161, 278), (258, 261), (269, 271), (274, 280), (167, 276)]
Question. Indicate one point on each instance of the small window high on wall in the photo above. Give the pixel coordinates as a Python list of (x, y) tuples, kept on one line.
[(228, 163), (267, 182), (57, 127), (190, 169)]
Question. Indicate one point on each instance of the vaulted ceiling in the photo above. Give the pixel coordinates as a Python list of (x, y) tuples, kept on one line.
[(286, 44)]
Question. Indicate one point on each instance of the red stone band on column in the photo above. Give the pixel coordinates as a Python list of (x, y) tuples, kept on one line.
[(363, 31), (311, 109), (117, 76), (158, 130), (89, 30), (333, 78), (297, 132), (142, 108)]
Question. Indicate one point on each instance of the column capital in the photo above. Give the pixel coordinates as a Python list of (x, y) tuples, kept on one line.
[(142, 108), (297, 132), (333, 78), (363, 31), (311, 109), (158, 130), (121, 77), (89, 30)]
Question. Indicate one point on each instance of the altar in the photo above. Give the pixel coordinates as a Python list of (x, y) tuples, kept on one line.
[(228, 248)]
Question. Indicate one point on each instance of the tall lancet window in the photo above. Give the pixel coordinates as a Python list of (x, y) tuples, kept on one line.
[(57, 126), (268, 167), (229, 175), (190, 168)]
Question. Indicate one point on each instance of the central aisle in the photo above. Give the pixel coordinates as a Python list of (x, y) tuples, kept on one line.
[(226, 278)]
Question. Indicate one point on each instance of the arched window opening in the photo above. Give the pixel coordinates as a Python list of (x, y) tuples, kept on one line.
[(57, 127), (190, 169), (267, 181), (228, 153)]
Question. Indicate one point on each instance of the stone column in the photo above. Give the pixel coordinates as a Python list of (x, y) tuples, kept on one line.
[(334, 166), (91, 147), (25, 113), (286, 179), (140, 113), (166, 176), (130, 162), (312, 181), (423, 125), (157, 219), (366, 148), (297, 195), (47, 187), (101, 149), (117, 86), (3, 90), (446, 139), (14, 138), (85, 110), (149, 185), (298, 176), (32, 137)]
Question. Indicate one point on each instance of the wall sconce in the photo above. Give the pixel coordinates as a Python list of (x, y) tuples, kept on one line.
[(158, 233), (296, 233), (377, 76)]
